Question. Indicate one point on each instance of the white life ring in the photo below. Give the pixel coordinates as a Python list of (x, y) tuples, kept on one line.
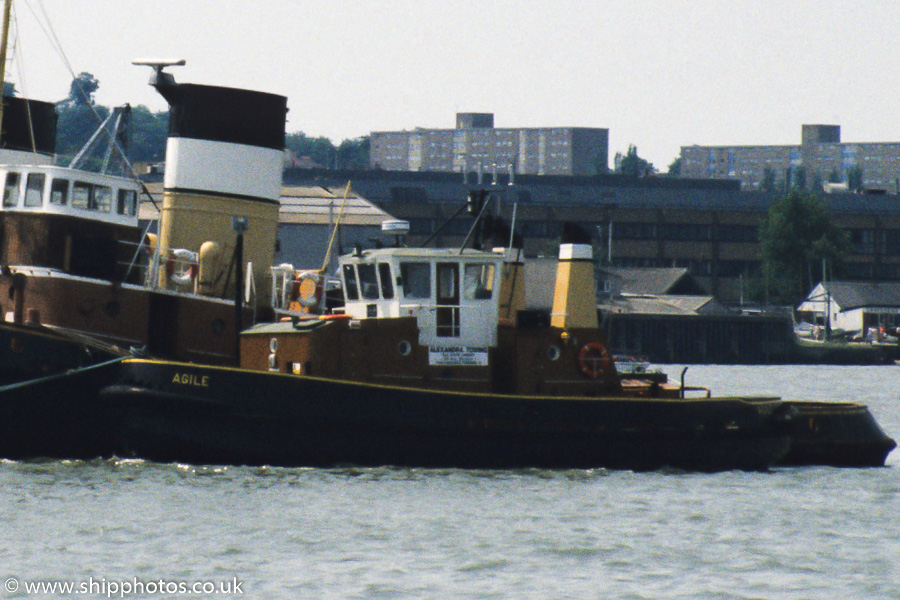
[(315, 297), (186, 271)]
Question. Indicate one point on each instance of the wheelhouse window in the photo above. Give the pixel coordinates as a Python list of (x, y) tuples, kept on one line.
[(59, 191), (416, 279), (447, 275), (91, 197), (101, 198), (350, 289), (81, 194), (367, 282), (127, 203), (11, 190), (387, 286), (478, 282), (34, 189)]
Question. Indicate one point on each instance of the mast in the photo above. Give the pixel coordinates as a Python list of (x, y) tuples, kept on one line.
[(4, 40)]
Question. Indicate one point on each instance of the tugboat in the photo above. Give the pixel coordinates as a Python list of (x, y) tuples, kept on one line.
[(423, 366), (431, 361), (75, 260), (85, 284)]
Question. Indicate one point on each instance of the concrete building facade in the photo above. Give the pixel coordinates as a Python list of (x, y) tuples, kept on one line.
[(820, 158), (476, 143), (709, 227)]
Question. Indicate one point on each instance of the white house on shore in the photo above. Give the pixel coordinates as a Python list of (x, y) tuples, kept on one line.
[(853, 306)]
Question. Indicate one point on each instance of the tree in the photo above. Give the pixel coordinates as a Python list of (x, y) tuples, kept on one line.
[(855, 178), (148, 135), (353, 154), (75, 126), (632, 165), (319, 149), (675, 168), (81, 90), (350, 154), (799, 178), (795, 236)]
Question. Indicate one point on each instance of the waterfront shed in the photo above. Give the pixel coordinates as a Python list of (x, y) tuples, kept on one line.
[(853, 306)]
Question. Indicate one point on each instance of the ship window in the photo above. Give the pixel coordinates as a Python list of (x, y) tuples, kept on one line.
[(350, 289), (81, 194), (59, 191), (127, 202), (101, 198), (34, 189), (416, 280), (447, 274), (384, 273), (11, 190), (479, 282), (367, 282)]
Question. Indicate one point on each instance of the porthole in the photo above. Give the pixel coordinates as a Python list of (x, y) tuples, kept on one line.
[(218, 326), (404, 348), (112, 308), (553, 352)]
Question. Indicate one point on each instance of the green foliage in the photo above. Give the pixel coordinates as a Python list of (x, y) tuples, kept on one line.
[(148, 131), (350, 154), (320, 149), (82, 90), (354, 154), (632, 165), (855, 178), (148, 135), (674, 168), (75, 127), (795, 236), (798, 177)]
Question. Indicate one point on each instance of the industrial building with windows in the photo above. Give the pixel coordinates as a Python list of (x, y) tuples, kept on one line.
[(819, 159), (477, 144), (709, 227)]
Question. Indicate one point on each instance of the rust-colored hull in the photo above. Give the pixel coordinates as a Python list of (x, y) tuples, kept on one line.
[(165, 324)]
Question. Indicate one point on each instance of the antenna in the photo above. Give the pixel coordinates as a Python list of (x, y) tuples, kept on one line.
[(160, 78)]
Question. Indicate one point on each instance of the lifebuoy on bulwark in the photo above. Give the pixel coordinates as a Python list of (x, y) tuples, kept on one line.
[(181, 267), (594, 361), (308, 300)]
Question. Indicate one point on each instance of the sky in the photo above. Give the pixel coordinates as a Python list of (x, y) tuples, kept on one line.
[(659, 74)]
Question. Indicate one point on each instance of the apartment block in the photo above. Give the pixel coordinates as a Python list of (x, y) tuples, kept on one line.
[(820, 158), (476, 144)]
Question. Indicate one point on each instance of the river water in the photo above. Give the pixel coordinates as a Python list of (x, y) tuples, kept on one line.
[(124, 528)]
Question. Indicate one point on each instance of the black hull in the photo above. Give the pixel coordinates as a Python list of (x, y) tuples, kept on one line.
[(32, 351), (167, 411), (57, 416), (835, 434)]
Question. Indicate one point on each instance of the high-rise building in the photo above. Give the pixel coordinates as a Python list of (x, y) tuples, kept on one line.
[(820, 158), (477, 144)]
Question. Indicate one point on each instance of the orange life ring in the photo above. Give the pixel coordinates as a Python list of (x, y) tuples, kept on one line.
[(318, 287), (593, 360)]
